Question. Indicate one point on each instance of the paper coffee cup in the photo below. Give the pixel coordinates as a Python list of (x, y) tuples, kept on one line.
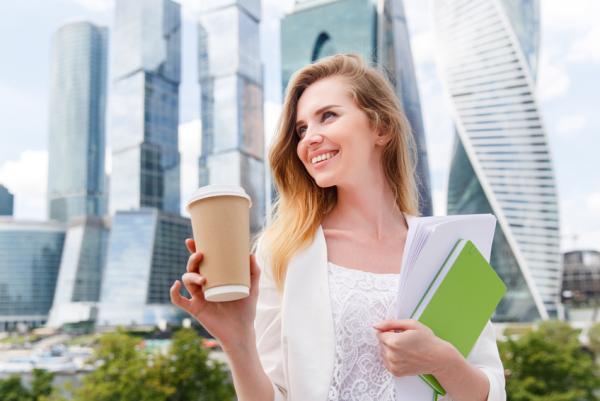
[(221, 227)]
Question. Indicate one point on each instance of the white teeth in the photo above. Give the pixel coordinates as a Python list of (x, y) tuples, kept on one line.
[(323, 157)]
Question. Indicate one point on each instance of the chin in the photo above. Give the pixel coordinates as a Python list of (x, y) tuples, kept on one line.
[(325, 182)]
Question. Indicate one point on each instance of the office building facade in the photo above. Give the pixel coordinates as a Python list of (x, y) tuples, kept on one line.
[(230, 77), (76, 121), (146, 254), (376, 30), (145, 106), (80, 275), (501, 163), (6, 201), (30, 254)]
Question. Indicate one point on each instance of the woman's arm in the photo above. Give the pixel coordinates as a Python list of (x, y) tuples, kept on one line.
[(414, 349), (249, 378)]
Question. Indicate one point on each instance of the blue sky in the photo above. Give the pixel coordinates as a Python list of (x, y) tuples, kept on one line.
[(568, 95)]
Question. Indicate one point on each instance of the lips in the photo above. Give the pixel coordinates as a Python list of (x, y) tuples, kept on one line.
[(324, 162)]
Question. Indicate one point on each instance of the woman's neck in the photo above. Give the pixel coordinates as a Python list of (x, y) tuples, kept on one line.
[(369, 212)]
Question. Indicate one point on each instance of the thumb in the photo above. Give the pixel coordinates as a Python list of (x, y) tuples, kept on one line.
[(391, 324)]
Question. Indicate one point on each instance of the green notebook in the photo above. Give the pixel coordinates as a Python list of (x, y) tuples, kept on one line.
[(460, 300)]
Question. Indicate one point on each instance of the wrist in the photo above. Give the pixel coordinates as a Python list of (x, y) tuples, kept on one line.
[(242, 343), (448, 358)]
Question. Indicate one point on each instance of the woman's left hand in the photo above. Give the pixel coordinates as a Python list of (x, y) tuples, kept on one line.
[(410, 348)]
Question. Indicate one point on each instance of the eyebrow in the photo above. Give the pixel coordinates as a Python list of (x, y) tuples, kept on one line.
[(320, 110)]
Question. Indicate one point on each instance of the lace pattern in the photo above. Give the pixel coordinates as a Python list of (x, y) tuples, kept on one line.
[(360, 299)]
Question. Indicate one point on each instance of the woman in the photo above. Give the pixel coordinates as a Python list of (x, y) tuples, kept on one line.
[(317, 325)]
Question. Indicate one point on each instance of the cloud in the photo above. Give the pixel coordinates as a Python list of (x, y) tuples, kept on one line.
[(592, 203), (580, 222), (26, 178), (190, 137), (556, 15), (570, 125), (553, 80), (102, 6), (423, 47), (586, 49)]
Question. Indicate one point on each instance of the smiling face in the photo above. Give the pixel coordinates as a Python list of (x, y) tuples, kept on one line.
[(337, 144)]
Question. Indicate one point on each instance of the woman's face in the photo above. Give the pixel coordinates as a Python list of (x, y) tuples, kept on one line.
[(336, 142)]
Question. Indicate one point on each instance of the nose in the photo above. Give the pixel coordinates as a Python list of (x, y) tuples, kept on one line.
[(312, 137)]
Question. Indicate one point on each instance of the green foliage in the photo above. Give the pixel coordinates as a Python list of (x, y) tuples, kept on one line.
[(126, 372), (195, 377), (12, 389), (549, 364), (594, 337), (41, 384), (123, 373)]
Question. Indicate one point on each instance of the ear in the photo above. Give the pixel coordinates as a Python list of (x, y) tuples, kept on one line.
[(382, 139)]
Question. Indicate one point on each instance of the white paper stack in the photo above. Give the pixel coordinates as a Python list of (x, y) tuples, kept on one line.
[(428, 243)]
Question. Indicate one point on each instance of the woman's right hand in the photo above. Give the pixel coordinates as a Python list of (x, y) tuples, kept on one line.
[(231, 322)]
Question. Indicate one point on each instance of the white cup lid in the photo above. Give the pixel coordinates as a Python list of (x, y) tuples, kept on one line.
[(209, 191)]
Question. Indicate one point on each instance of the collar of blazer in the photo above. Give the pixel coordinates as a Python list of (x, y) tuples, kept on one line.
[(307, 323)]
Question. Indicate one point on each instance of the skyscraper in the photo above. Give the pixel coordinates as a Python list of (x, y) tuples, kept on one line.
[(375, 29), (80, 275), (30, 253), (501, 162), (146, 254), (6, 201), (77, 113), (230, 76), (146, 250), (145, 106)]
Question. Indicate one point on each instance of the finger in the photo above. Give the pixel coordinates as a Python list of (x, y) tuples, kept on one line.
[(386, 338), (193, 264), (193, 283), (254, 273), (176, 297), (190, 245), (401, 325)]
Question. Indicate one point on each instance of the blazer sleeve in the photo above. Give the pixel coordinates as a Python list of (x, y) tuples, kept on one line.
[(267, 326), (486, 357)]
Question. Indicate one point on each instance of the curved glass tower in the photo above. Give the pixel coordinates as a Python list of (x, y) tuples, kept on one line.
[(501, 161)]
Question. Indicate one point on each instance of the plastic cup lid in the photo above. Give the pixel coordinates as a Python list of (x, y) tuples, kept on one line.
[(209, 191)]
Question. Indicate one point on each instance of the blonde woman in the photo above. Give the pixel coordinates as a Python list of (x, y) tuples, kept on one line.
[(317, 325)]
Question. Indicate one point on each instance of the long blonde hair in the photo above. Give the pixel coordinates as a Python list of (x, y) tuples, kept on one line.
[(302, 204)]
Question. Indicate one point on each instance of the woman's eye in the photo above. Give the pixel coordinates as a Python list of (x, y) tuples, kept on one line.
[(328, 114), (300, 131)]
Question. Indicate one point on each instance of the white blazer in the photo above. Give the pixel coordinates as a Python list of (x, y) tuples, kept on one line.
[(295, 331)]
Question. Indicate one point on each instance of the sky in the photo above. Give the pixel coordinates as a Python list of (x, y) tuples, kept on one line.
[(568, 91)]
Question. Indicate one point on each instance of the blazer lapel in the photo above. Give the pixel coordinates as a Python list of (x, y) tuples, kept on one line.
[(307, 324)]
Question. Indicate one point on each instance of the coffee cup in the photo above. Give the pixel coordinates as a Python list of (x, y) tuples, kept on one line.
[(221, 227)]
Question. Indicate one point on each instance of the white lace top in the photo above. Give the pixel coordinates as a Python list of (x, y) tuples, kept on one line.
[(360, 299)]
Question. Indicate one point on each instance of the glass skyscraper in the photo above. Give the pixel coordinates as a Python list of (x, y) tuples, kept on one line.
[(375, 29), (145, 106), (78, 285), (30, 254), (146, 254), (6, 201), (230, 77), (77, 113), (501, 161)]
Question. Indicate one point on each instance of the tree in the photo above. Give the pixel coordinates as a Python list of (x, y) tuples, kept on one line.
[(41, 384), (12, 389), (123, 373), (549, 364), (189, 370)]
